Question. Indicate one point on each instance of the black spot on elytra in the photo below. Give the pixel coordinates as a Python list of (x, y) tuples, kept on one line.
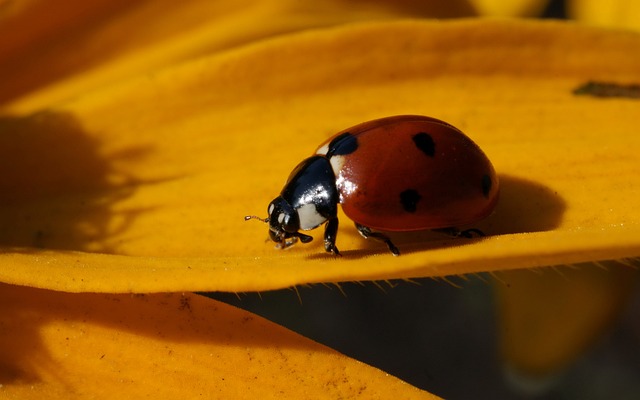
[(409, 200), (424, 142), (342, 145), (486, 185)]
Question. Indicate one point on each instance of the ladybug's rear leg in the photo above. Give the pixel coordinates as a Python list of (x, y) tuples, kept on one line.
[(330, 234), (455, 232), (367, 233)]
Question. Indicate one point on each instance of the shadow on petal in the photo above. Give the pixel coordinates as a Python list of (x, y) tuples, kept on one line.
[(524, 206), (58, 187)]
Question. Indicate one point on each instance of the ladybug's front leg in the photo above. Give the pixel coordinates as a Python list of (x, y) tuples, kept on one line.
[(330, 234)]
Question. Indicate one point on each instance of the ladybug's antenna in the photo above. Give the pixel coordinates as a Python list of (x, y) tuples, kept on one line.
[(248, 217)]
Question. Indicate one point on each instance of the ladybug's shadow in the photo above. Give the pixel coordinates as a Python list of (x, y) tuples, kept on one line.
[(524, 206)]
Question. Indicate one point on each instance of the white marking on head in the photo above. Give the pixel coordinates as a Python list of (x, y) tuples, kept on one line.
[(271, 207), (280, 218), (309, 217)]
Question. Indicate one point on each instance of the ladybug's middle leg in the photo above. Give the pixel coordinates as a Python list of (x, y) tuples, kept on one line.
[(367, 233)]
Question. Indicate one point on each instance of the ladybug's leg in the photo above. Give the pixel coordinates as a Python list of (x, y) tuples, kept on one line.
[(330, 233), (367, 233), (303, 238), (455, 232)]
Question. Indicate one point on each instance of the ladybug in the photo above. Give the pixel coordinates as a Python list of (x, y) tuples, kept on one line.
[(400, 173)]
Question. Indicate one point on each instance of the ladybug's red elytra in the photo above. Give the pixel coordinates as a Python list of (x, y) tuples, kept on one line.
[(400, 173)]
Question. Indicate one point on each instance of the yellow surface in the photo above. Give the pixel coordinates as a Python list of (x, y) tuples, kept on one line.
[(142, 187), (618, 13), (509, 8), (134, 137), (50, 54), (549, 317), (167, 346)]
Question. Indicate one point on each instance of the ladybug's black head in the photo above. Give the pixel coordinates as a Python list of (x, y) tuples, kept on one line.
[(282, 217), (284, 224)]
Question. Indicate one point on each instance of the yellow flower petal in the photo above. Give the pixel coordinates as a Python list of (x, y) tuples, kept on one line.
[(49, 52), (550, 317), (56, 345), (617, 13), (511, 8), (143, 186)]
